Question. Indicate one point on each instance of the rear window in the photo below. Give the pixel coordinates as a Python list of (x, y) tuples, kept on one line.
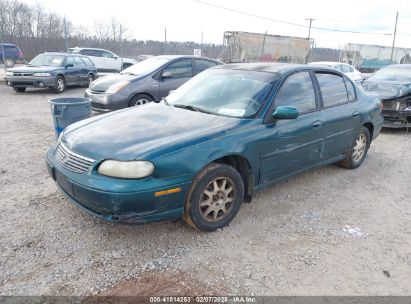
[(332, 88), (87, 61)]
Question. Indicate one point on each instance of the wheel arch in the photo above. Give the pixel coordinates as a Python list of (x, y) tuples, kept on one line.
[(242, 165), (370, 128), (139, 93)]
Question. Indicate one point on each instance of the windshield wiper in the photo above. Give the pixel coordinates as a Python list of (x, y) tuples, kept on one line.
[(165, 101), (191, 108)]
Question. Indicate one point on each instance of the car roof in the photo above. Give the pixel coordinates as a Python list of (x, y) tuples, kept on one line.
[(328, 62), (63, 54), (171, 57), (270, 67)]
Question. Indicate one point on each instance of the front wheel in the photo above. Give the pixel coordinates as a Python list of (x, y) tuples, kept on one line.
[(358, 150), (139, 100), (60, 85), (215, 198), (90, 79)]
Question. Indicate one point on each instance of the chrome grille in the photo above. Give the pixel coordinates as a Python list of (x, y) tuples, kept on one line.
[(22, 74), (72, 161)]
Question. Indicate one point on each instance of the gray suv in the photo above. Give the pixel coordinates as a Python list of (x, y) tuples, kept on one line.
[(146, 81)]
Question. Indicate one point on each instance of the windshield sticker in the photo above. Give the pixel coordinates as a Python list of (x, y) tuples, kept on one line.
[(231, 112), (57, 60)]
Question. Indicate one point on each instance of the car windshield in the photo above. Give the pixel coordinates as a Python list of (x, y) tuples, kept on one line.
[(48, 60), (236, 93), (393, 74), (145, 67)]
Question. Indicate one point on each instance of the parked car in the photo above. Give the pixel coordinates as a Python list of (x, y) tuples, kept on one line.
[(12, 54), (213, 142), (146, 81), (393, 85), (347, 69), (52, 70), (104, 60)]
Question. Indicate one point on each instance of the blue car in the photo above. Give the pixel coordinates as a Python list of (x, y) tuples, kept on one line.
[(11, 53), (228, 132), (52, 70)]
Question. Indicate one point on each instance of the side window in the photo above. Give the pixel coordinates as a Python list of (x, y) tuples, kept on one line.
[(338, 67), (107, 54), (347, 69), (297, 91), (350, 90), (87, 61), (79, 62), (201, 65), (332, 88), (70, 60), (95, 53), (180, 68)]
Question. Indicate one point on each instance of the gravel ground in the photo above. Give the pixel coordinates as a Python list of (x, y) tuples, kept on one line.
[(327, 232)]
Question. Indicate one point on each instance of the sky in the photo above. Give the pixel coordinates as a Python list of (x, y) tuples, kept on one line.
[(189, 20)]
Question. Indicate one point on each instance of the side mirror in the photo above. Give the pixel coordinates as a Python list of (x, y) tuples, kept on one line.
[(285, 112), (166, 75), (115, 57), (70, 65)]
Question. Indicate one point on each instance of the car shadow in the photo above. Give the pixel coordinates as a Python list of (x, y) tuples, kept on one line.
[(397, 131)]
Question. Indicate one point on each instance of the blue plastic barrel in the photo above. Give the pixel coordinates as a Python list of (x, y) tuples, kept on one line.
[(66, 111)]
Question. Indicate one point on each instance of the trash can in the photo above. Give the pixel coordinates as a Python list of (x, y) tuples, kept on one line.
[(66, 111)]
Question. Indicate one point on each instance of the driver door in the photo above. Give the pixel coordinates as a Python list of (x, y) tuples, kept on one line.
[(293, 145), (180, 72)]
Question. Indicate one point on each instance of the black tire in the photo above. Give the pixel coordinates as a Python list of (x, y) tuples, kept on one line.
[(358, 149), (126, 65), (90, 79), (19, 89), (140, 99), (205, 211), (60, 85), (10, 62)]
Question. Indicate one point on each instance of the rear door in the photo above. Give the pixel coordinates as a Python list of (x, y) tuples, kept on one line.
[(82, 69), (72, 73), (340, 112), (293, 145), (181, 70), (202, 64)]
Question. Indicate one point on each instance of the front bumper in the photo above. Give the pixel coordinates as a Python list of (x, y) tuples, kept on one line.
[(101, 102), (397, 118), (116, 200), (30, 81)]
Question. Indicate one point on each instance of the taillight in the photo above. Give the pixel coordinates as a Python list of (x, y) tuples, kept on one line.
[(20, 54), (381, 106)]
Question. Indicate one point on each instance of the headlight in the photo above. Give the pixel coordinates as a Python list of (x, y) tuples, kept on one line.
[(9, 73), (126, 169), (41, 74), (117, 87)]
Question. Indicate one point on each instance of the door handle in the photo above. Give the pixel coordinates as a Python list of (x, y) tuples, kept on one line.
[(317, 124), (356, 113)]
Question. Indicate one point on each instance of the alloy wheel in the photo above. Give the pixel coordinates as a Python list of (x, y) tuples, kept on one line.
[(217, 199), (359, 147)]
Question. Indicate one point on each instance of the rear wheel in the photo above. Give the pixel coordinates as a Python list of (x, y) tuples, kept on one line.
[(90, 79), (215, 198), (140, 99), (10, 62), (358, 150), (19, 89), (60, 85)]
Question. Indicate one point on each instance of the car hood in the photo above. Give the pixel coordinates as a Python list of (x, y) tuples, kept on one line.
[(388, 90), (33, 69), (129, 133), (103, 83)]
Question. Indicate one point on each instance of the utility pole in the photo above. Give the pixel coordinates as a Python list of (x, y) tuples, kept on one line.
[(309, 36), (395, 32), (2, 51), (121, 46), (165, 40)]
